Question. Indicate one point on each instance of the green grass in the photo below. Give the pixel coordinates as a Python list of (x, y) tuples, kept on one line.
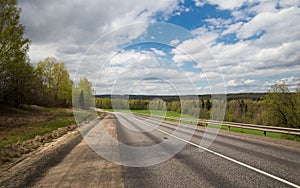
[(248, 131), (233, 129), (253, 132), (154, 112), (23, 124), (83, 115)]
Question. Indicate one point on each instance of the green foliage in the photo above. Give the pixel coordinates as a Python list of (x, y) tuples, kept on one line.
[(83, 94), (48, 84), (208, 105), (238, 108), (55, 86), (283, 107), (81, 99), (298, 104), (16, 74), (138, 104), (246, 111), (246, 96), (175, 106)]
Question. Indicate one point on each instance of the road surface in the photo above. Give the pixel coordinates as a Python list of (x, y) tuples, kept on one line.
[(232, 161), (191, 168)]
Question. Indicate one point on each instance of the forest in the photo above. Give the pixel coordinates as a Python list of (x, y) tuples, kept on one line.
[(46, 84), (278, 107)]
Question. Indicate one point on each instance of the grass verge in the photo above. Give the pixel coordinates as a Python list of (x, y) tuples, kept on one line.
[(154, 112), (24, 130), (233, 129)]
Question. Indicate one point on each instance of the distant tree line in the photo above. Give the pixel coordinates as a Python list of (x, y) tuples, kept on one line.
[(229, 97), (185, 106), (278, 107)]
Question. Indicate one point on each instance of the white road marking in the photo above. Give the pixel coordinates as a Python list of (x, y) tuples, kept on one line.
[(233, 160)]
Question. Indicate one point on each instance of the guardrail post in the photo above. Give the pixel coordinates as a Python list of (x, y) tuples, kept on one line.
[(265, 133), (229, 128)]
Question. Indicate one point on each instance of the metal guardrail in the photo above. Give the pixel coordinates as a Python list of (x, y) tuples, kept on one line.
[(263, 128)]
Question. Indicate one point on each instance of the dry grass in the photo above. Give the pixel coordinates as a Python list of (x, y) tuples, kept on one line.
[(24, 130)]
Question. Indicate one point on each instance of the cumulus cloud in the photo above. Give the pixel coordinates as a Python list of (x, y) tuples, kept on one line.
[(158, 52), (131, 56), (258, 5), (208, 37), (86, 33), (274, 23), (199, 3), (265, 49), (65, 24), (229, 4), (260, 85), (145, 72), (174, 42), (271, 53)]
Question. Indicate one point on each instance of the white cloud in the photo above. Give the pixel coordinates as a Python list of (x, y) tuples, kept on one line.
[(232, 83), (233, 28), (143, 72), (193, 50), (174, 42), (268, 57), (285, 19), (208, 37), (242, 85), (249, 82), (65, 30), (288, 3), (199, 3), (158, 52), (218, 23), (130, 57), (292, 82), (63, 24), (228, 4), (264, 6)]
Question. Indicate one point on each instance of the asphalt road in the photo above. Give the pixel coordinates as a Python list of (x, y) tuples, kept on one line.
[(193, 168), (232, 160)]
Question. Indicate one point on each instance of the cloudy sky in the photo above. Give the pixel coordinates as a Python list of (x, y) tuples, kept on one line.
[(169, 46)]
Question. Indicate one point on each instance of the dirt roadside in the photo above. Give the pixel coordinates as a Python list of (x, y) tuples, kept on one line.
[(69, 155), (20, 172)]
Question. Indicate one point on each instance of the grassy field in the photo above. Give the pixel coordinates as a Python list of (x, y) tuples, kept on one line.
[(17, 125), (156, 112), (233, 129)]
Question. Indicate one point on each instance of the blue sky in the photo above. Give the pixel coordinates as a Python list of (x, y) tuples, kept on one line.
[(197, 46), (193, 17)]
